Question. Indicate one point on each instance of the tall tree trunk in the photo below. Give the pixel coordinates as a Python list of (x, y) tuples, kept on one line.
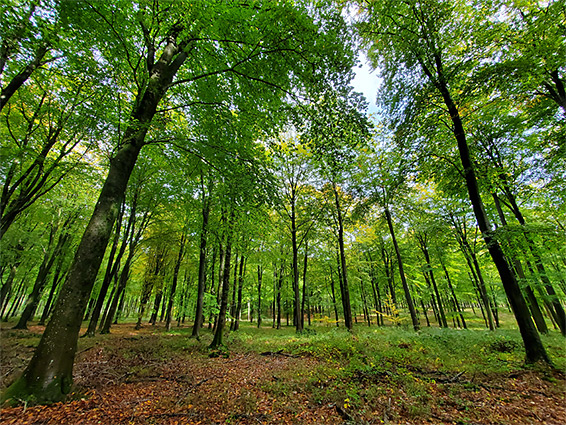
[(57, 277), (424, 248), (49, 375), (278, 302), (534, 349), (556, 307), (388, 266), (44, 270), (364, 300), (18, 298), (159, 296), (375, 291), (240, 288), (471, 259), (201, 267), (234, 291), (296, 290), (221, 320), (531, 298), (408, 297), (273, 309), (220, 281), (120, 289), (259, 279), (7, 286), (113, 308), (121, 308), (425, 313), (151, 275), (344, 272), (432, 301), (305, 293)]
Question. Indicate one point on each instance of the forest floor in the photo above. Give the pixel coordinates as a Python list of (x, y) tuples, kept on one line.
[(151, 376)]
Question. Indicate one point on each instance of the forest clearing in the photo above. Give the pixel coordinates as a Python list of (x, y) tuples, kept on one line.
[(283, 211), (326, 376)]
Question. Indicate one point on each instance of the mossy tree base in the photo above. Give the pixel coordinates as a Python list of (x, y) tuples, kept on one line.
[(21, 391)]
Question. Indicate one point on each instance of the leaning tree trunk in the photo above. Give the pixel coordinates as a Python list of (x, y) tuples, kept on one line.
[(120, 289), (408, 297), (476, 274), (535, 351), (555, 306), (49, 375), (424, 248), (114, 306), (111, 270), (44, 271), (57, 277), (40, 281)]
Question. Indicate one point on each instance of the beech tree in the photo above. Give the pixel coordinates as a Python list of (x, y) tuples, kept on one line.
[(168, 56), (419, 41), (296, 173)]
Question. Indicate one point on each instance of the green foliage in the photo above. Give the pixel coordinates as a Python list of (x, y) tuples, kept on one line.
[(261, 106)]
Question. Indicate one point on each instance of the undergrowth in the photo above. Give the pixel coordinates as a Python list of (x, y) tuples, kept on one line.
[(444, 350), (367, 370)]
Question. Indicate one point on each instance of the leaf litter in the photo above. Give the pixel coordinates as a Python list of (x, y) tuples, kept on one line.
[(140, 377)]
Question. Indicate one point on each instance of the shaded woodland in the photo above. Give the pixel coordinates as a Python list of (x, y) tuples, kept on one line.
[(205, 169)]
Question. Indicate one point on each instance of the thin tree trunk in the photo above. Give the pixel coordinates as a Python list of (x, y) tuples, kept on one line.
[(240, 288), (364, 300), (304, 287), (169, 313), (342, 263), (221, 320), (456, 303), (408, 297), (201, 268), (475, 269), (422, 238), (334, 297), (296, 290), (44, 269), (259, 280), (57, 277), (278, 302)]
